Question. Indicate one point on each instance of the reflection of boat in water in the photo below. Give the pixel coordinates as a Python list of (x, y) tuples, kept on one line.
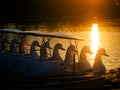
[(43, 67)]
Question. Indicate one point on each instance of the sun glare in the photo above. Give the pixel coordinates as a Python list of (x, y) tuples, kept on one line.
[(94, 37)]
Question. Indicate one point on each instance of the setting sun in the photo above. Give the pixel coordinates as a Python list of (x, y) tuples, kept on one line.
[(94, 37)]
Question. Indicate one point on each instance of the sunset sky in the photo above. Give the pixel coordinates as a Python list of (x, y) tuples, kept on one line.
[(59, 8)]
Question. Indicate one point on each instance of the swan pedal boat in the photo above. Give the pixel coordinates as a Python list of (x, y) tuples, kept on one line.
[(44, 74), (32, 67)]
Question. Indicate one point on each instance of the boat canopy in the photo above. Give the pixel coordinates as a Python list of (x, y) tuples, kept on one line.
[(38, 33), (63, 36), (11, 31), (34, 33), (55, 35)]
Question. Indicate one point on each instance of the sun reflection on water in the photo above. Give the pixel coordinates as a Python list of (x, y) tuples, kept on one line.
[(94, 37)]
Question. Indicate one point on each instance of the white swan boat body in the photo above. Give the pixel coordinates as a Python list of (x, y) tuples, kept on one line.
[(29, 66)]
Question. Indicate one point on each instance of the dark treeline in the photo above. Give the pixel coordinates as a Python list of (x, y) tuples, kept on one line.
[(47, 10)]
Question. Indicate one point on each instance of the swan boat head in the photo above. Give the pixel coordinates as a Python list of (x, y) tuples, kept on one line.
[(99, 67), (56, 55), (43, 51), (33, 52), (69, 54), (84, 64)]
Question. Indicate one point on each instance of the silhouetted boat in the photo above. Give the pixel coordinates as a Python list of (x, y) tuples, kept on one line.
[(45, 73), (30, 66)]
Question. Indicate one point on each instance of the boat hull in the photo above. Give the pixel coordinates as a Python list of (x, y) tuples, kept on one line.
[(55, 82), (27, 66)]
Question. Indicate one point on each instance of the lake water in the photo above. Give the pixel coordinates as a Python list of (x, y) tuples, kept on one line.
[(109, 38), (110, 41)]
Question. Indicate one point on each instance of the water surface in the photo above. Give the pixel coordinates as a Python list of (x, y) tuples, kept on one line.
[(107, 36)]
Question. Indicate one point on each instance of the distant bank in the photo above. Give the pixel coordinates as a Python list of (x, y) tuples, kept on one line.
[(57, 23)]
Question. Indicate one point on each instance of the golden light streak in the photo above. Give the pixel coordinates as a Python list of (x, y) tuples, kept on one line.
[(94, 37)]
